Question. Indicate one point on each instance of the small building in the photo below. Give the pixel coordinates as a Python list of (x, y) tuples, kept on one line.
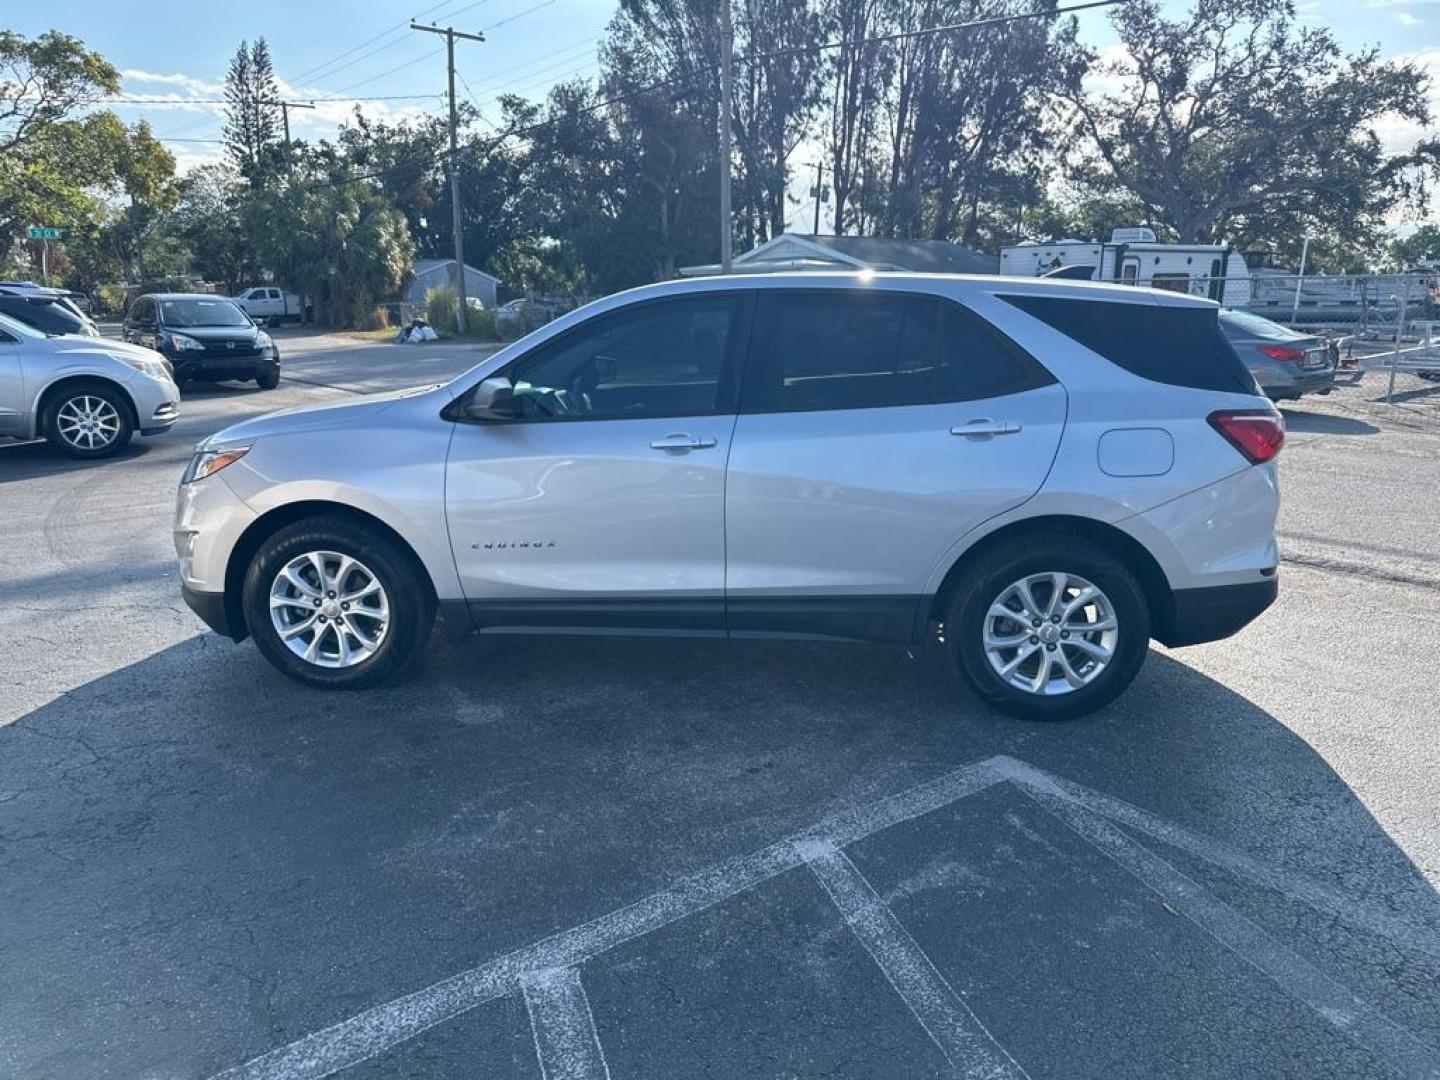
[(437, 273), (796, 251)]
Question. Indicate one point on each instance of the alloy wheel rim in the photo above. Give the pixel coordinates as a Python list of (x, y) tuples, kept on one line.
[(1050, 633), (329, 609), (88, 422)]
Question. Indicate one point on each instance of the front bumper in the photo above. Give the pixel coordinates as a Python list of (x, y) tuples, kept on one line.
[(1215, 612), (156, 400), (211, 366), (210, 606)]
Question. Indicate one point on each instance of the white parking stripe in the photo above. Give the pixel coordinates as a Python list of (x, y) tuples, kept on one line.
[(1295, 976), (376, 1030), (961, 1037), (1411, 932), (563, 1026)]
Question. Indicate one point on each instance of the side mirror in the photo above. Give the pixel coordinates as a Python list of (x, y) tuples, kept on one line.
[(493, 399)]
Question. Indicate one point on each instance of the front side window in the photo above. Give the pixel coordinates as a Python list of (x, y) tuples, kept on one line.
[(662, 358), (843, 349)]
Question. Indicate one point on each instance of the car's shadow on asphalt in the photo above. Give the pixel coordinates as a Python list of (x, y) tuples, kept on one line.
[(1308, 423), (200, 860), (28, 460)]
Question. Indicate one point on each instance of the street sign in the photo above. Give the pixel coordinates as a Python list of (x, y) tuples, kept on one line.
[(36, 232)]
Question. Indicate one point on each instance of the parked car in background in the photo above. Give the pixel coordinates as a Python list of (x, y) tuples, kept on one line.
[(269, 305), (74, 304), (1285, 363), (1054, 473), (207, 338), (86, 395), (524, 315), (49, 310)]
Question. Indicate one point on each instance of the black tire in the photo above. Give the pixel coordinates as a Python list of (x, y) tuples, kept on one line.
[(411, 599), (268, 379), (984, 580), (54, 430)]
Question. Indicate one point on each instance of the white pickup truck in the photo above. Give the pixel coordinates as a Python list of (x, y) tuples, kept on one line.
[(267, 304)]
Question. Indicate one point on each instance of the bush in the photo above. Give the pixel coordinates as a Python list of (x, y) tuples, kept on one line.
[(442, 310), (481, 324)]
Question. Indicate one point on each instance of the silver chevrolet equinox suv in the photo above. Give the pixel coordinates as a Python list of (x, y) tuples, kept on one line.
[(1039, 475)]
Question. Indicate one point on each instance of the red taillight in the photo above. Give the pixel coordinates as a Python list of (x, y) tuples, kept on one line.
[(1282, 352), (1258, 434)]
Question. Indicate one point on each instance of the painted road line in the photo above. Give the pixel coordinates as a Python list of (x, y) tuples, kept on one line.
[(377, 1029), (1407, 931), (970, 1049), (563, 1026), (1333, 1002)]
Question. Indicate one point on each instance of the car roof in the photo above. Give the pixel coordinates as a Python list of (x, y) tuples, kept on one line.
[(952, 284)]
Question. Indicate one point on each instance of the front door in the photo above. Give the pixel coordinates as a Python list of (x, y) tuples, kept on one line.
[(602, 504), (877, 428)]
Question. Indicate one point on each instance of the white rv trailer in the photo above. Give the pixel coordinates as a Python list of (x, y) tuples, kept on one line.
[(1134, 257)]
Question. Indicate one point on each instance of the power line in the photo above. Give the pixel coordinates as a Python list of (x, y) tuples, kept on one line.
[(312, 72), (223, 101)]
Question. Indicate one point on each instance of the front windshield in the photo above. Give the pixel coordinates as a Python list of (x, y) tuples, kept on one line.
[(187, 313), (17, 329)]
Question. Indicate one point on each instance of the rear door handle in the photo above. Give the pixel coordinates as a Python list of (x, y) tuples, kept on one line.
[(985, 426), (681, 441)]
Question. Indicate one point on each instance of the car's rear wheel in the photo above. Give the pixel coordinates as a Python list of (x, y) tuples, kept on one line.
[(334, 602), (88, 420), (1050, 628)]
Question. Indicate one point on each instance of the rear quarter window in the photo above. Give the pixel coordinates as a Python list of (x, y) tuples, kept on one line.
[(1179, 346)]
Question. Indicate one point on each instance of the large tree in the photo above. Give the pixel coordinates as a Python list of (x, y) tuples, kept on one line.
[(1235, 122), (252, 119)]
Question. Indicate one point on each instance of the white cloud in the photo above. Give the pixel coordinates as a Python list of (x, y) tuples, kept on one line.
[(1406, 19)]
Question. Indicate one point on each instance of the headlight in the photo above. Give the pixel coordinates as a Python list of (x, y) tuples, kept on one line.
[(156, 369), (209, 462), (181, 343), (262, 341)]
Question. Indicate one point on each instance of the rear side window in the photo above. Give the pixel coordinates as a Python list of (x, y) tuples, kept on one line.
[(843, 349), (1181, 346)]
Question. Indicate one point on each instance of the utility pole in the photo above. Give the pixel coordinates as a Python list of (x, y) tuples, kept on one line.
[(819, 192), (461, 316), (726, 93), (285, 107)]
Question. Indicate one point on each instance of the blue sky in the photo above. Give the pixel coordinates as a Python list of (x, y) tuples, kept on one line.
[(333, 50)]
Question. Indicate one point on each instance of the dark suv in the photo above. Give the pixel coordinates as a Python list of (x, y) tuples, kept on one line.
[(206, 338), (51, 311)]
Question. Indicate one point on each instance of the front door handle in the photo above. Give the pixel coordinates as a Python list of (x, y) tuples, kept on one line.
[(681, 441), (984, 427)]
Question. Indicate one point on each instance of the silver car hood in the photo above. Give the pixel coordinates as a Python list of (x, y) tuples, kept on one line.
[(81, 346), (317, 417)]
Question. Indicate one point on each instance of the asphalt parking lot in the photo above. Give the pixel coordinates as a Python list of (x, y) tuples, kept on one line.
[(581, 858)]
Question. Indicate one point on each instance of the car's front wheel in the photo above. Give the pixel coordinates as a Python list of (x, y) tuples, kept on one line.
[(268, 379), (334, 602), (88, 420), (1050, 628)]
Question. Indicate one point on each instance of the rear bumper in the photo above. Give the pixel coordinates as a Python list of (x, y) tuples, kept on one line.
[(210, 606), (1321, 381), (1215, 612)]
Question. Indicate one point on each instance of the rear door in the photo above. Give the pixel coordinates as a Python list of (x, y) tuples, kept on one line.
[(603, 504), (876, 429)]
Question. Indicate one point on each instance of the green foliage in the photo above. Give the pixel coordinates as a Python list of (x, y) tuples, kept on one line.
[(442, 310), (252, 119), (1236, 121), (1422, 247)]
